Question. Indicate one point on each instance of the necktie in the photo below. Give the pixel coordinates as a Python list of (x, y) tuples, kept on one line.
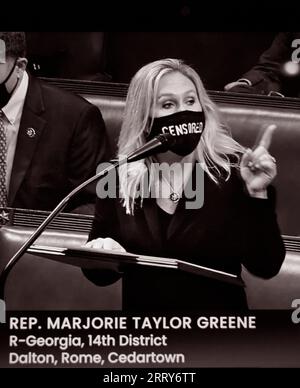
[(3, 152)]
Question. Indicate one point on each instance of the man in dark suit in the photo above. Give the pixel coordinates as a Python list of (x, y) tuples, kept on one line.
[(270, 76), (54, 139)]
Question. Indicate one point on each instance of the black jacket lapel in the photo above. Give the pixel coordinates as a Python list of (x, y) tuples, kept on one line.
[(151, 217), (30, 130)]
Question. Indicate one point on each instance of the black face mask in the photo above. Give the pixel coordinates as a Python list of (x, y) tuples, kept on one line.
[(186, 125), (4, 95)]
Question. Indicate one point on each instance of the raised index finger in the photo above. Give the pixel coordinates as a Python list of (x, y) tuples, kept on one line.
[(266, 138)]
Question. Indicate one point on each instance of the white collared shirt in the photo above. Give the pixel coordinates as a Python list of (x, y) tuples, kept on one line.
[(12, 118)]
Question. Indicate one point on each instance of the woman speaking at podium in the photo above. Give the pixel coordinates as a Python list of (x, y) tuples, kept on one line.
[(229, 222)]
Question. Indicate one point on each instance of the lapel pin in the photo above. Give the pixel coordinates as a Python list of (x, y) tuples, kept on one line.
[(30, 132)]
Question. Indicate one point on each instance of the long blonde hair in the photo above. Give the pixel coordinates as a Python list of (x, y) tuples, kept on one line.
[(214, 149)]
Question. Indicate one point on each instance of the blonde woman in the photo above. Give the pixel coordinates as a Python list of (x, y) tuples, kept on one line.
[(232, 222)]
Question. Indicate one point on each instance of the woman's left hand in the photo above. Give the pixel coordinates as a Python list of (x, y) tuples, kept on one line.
[(258, 169)]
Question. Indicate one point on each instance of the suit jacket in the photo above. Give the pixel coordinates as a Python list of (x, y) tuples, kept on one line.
[(230, 229), (61, 140), (266, 75)]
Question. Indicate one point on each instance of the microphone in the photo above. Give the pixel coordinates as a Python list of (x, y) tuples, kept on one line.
[(160, 143)]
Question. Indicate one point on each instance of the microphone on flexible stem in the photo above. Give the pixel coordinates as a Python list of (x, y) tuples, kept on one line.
[(160, 143)]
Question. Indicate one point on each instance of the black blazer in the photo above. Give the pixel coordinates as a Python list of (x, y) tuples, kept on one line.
[(230, 229), (61, 140)]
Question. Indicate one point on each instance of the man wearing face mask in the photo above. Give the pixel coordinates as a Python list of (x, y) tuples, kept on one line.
[(51, 140), (235, 223)]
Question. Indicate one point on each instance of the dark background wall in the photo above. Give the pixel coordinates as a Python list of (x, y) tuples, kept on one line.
[(219, 57), (77, 55)]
